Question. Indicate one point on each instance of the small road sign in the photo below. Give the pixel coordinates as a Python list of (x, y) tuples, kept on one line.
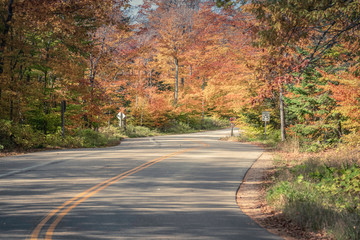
[(266, 116), (122, 120), (121, 116)]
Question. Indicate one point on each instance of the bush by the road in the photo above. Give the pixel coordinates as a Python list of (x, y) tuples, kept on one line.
[(24, 137), (321, 192), (318, 188)]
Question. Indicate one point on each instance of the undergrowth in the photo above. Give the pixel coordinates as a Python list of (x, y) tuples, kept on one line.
[(315, 186), (319, 191), (24, 137)]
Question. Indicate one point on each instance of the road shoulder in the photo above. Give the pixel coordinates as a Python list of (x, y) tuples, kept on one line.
[(251, 200)]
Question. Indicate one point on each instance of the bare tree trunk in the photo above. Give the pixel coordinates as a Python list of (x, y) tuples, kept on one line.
[(282, 116), (137, 89), (94, 61), (11, 110), (150, 78), (5, 31), (63, 109), (203, 103), (142, 114), (45, 103), (190, 73), (109, 121), (339, 127), (176, 85)]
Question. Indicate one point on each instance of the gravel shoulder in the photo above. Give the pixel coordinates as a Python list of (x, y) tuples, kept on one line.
[(251, 200)]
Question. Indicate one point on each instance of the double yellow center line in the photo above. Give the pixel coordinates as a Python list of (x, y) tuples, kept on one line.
[(60, 212)]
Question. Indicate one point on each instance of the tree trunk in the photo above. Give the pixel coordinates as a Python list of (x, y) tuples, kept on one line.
[(150, 78), (11, 110), (4, 33), (176, 85), (190, 73), (97, 124), (137, 90), (282, 116), (63, 109), (339, 127), (45, 104), (203, 103)]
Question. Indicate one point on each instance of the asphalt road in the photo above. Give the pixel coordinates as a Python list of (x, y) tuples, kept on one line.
[(169, 187)]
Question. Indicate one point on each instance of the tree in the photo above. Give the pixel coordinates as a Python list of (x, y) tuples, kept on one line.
[(44, 45), (172, 23), (299, 34)]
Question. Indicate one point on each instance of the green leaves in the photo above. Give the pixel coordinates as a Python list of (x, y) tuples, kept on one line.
[(311, 111), (225, 3), (320, 197)]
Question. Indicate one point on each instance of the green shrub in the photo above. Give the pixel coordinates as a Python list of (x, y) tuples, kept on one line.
[(257, 134), (19, 136), (24, 137), (56, 140), (318, 196), (85, 138), (113, 134), (91, 138), (193, 125), (177, 127), (6, 137), (139, 131), (112, 131), (214, 123), (40, 121)]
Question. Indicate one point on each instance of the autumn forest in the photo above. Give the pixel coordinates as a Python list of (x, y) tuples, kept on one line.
[(71, 65)]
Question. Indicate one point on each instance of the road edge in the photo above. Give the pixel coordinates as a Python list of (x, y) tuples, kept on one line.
[(250, 196)]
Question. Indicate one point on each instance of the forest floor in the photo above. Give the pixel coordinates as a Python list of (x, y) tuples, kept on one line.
[(251, 200)]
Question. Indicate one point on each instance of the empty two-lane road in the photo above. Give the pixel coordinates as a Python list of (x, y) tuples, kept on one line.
[(169, 187)]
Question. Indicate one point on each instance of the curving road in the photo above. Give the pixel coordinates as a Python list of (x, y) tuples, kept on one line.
[(169, 187)]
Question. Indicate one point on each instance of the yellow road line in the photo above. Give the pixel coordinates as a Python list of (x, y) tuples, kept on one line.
[(67, 206), (52, 227), (38, 228)]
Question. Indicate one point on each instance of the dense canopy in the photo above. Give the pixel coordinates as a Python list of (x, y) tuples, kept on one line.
[(69, 65)]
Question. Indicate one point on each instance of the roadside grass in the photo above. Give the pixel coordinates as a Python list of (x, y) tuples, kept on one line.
[(176, 127), (85, 138), (16, 139), (319, 191), (139, 131)]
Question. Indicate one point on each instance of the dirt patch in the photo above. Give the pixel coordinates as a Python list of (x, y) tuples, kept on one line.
[(8, 154), (251, 200), (22, 152)]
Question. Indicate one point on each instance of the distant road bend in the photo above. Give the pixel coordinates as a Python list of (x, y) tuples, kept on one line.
[(168, 187)]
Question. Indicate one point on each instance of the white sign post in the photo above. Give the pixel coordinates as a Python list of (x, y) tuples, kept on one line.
[(122, 120), (266, 118)]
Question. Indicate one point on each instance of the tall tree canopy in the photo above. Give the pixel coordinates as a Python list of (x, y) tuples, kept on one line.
[(180, 61)]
